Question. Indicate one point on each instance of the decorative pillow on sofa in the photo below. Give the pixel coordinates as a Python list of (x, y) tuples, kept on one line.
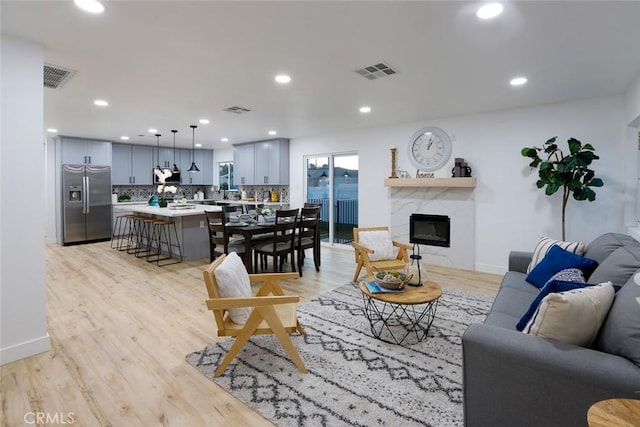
[(380, 241), (574, 316), (233, 282), (564, 280), (620, 333), (619, 266), (558, 259), (545, 243)]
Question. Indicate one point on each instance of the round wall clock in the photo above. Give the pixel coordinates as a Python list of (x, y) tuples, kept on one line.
[(430, 149)]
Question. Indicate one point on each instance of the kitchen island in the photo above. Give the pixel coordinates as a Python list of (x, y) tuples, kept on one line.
[(191, 226)]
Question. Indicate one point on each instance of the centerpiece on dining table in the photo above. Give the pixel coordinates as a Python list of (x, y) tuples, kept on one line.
[(265, 214), (163, 188)]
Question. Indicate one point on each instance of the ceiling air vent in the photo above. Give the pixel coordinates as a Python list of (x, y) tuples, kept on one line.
[(55, 77), (373, 72), (237, 110)]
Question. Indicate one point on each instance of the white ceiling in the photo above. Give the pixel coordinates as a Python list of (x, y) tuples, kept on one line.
[(166, 64)]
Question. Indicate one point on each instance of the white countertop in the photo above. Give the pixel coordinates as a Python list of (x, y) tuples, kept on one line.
[(172, 213)]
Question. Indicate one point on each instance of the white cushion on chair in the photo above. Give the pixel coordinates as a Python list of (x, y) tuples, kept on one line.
[(380, 241), (233, 282)]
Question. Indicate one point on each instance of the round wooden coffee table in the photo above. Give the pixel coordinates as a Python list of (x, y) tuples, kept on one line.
[(614, 412), (394, 317)]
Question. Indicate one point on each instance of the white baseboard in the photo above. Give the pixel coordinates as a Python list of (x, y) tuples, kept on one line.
[(489, 268), (25, 349)]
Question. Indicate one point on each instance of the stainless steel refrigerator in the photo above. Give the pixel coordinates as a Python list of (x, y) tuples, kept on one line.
[(86, 204)]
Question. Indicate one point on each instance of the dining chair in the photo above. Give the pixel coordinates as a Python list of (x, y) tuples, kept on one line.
[(375, 251), (239, 314), (307, 236), (282, 241), (220, 241)]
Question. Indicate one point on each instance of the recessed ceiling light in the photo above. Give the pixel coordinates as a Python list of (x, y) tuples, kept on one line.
[(204, 121), (518, 81), (91, 6), (124, 138), (224, 139), (273, 132), (365, 109), (198, 145), (283, 78), (490, 10), (52, 130), (153, 130), (100, 102)]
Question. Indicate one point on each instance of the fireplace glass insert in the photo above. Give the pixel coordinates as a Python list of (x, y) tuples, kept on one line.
[(431, 230)]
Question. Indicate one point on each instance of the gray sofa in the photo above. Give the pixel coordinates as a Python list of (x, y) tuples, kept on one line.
[(515, 379)]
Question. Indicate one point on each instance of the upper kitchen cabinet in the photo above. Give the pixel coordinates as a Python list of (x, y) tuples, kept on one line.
[(262, 162), (165, 158), (243, 164), (132, 164), (204, 162), (85, 151)]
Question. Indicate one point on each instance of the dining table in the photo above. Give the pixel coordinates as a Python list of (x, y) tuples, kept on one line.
[(253, 228)]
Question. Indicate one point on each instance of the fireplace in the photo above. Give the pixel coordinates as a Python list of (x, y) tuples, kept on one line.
[(431, 230)]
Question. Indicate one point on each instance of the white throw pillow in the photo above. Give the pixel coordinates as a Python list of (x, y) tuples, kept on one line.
[(380, 241), (545, 244), (233, 282), (574, 316)]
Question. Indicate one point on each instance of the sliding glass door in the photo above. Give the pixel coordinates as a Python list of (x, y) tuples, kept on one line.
[(332, 183)]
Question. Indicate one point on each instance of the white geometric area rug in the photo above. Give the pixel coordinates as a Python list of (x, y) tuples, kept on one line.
[(354, 379)]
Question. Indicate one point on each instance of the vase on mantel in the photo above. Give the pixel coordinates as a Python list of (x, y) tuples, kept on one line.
[(162, 203)]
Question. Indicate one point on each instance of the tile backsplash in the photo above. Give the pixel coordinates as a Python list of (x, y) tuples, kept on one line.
[(142, 193)]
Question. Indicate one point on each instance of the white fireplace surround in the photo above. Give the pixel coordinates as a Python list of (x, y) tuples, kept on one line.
[(457, 203)]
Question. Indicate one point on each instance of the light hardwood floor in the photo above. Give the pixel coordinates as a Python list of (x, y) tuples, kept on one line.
[(120, 330)]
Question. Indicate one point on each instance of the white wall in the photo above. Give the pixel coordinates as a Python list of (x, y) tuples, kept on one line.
[(23, 314), (632, 118), (511, 212), (220, 155)]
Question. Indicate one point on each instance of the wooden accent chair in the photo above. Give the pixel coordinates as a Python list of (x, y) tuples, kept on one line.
[(271, 312), (366, 256)]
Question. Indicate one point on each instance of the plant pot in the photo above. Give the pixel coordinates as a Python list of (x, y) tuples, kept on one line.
[(162, 203)]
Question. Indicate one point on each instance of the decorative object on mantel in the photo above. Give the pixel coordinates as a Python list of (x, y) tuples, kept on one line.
[(394, 152), (570, 172), (193, 167), (403, 174), (420, 174), (429, 149), (163, 188), (460, 169)]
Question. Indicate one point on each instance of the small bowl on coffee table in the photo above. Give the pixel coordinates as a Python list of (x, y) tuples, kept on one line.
[(391, 279)]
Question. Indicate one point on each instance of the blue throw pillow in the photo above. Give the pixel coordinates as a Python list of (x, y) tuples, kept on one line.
[(551, 287), (558, 259)]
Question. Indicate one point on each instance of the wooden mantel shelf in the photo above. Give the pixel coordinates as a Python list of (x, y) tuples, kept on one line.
[(431, 182)]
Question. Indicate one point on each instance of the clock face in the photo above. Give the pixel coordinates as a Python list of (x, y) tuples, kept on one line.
[(430, 149)]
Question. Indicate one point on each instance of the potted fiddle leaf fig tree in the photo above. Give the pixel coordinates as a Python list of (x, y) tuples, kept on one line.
[(570, 172)]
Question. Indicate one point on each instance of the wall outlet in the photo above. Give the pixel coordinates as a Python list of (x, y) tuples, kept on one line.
[(201, 224)]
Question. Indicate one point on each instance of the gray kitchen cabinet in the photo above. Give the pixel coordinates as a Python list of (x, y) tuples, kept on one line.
[(85, 151), (132, 164), (272, 162), (165, 159), (204, 161), (262, 162), (243, 164), (207, 167)]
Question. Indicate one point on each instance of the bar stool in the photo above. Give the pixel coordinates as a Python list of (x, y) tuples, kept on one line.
[(161, 235), (144, 237), (135, 229), (121, 231)]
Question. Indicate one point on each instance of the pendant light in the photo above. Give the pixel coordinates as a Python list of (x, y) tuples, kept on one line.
[(158, 153), (193, 167), (175, 167)]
